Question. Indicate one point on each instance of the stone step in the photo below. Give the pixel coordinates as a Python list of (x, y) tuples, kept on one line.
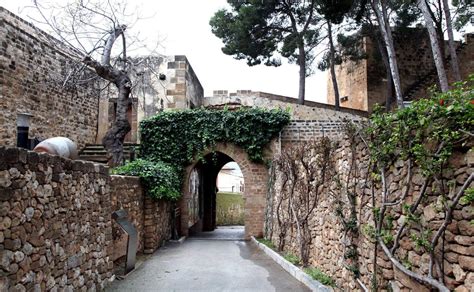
[(97, 152)]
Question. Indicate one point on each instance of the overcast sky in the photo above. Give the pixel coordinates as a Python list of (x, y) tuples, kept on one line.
[(184, 26)]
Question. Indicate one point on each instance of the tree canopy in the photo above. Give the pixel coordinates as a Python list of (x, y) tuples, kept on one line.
[(263, 31)]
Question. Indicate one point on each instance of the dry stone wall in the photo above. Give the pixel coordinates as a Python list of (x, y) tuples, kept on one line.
[(55, 230), (32, 70), (330, 239)]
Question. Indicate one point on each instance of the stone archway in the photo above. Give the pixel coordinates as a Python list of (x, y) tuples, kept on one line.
[(255, 178)]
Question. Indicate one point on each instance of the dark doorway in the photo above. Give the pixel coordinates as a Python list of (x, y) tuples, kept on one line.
[(206, 171)]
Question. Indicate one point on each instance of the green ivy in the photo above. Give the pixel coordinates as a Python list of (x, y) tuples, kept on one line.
[(173, 139), (161, 180), (179, 137)]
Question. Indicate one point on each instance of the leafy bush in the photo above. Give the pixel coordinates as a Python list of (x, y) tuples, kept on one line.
[(417, 130), (160, 180)]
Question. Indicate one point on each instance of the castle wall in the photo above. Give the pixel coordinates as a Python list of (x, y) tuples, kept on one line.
[(33, 68)]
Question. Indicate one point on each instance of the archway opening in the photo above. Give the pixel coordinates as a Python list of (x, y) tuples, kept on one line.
[(229, 197), (216, 188)]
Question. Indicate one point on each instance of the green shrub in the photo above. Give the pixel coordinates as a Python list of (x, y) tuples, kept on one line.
[(295, 260), (267, 242), (161, 181), (318, 275)]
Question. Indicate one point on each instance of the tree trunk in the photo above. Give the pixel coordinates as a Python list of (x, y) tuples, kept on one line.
[(437, 56), (302, 75), (452, 47), (388, 74), (333, 71), (384, 27), (113, 139)]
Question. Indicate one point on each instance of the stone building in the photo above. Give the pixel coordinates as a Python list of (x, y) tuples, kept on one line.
[(34, 65), (160, 82), (363, 83)]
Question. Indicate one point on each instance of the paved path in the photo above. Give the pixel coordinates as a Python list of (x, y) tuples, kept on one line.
[(206, 264)]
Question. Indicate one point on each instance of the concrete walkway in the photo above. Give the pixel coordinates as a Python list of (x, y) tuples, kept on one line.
[(207, 264)]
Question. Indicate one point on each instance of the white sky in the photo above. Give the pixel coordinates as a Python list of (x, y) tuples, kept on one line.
[(184, 26)]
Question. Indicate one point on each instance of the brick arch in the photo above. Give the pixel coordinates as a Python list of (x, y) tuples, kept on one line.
[(255, 180)]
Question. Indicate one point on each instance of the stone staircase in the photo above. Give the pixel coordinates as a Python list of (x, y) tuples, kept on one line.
[(430, 79), (97, 153)]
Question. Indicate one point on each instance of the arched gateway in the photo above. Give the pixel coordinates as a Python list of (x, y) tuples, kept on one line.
[(199, 190)]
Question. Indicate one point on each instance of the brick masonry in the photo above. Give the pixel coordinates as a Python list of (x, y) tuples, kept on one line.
[(150, 217), (255, 178), (33, 67)]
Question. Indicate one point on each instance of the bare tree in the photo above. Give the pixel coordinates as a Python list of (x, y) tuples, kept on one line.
[(437, 54), (97, 30)]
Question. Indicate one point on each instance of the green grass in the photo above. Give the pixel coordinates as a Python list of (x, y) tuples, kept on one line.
[(267, 242), (318, 275), (295, 260), (230, 209)]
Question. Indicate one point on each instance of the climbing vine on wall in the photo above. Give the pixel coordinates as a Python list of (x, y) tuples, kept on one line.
[(305, 171), (177, 137), (171, 140), (422, 139), (396, 182)]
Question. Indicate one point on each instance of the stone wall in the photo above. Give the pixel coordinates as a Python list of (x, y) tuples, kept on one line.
[(33, 67), (309, 111), (55, 230), (465, 54), (160, 83), (364, 82), (329, 237), (151, 218), (184, 90)]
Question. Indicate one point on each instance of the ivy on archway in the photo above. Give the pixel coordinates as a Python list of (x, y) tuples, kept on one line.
[(176, 137), (173, 139)]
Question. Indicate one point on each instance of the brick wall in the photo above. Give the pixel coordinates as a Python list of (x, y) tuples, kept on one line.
[(151, 218), (55, 228), (255, 179), (32, 70)]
